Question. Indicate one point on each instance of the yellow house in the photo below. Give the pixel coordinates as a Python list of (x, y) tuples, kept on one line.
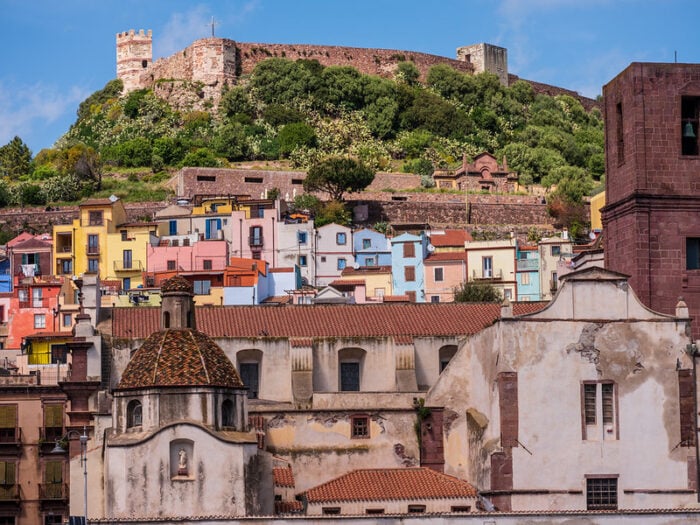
[(493, 262), (101, 242), (597, 202), (377, 280)]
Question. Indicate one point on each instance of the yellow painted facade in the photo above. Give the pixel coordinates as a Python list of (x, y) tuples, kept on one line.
[(597, 202)]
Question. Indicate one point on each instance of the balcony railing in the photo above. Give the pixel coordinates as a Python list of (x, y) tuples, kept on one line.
[(53, 491), (9, 492), (125, 266), (10, 440), (48, 437), (528, 264), (255, 240), (494, 275), (92, 249)]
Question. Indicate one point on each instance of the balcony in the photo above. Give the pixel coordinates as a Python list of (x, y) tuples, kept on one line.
[(487, 275), (92, 249), (527, 264), (48, 437), (255, 240), (10, 440), (53, 492), (33, 303), (9, 493), (128, 266)]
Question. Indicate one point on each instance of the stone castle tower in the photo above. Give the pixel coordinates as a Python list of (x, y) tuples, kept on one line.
[(134, 57), (486, 57)]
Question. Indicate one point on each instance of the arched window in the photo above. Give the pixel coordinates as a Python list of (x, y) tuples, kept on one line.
[(446, 354), (350, 362), (227, 413), (133, 414), (166, 319)]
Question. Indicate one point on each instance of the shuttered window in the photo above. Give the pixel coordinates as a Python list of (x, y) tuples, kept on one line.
[(7, 473), (589, 391), (608, 400)]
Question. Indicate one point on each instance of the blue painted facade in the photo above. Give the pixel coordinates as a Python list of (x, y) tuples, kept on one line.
[(527, 274), (371, 248), (5, 276), (407, 270)]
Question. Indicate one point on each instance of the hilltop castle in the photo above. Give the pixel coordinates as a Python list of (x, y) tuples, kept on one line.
[(210, 63)]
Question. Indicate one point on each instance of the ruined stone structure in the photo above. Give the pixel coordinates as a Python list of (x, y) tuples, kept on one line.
[(486, 57), (652, 216)]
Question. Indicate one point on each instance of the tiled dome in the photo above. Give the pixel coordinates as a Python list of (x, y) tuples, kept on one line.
[(181, 357), (176, 284)]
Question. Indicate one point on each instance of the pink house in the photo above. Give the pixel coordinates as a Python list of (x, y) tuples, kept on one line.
[(185, 256), (443, 272), (255, 237)]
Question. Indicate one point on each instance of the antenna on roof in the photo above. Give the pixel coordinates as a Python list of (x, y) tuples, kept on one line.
[(213, 24)]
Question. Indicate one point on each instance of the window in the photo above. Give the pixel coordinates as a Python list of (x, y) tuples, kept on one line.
[(67, 320), (366, 244), (525, 279), (37, 298), (227, 413), (555, 250), (202, 287), (172, 227), (370, 261), (434, 298), (59, 354), (302, 260), (416, 509), (554, 282), (340, 238), (438, 274), (409, 249), (323, 258), (250, 377), (206, 264), (487, 267), (256, 236), (409, 273), (350, 376), (126, 283), (170, 265), (66, 267), (53, 422), (460, 508), (411, 296), (212, 227), (599, 410), (8, 423), (508, 294), (127, 259), (692, 253), (379, 292), (374, 511), (124, 235), (359, 426), (619, 130), (23, 295), (95, 218), (601, 493), (93, 244), (93, 265), (302, 237), (134, 414), (206, 178), (342, 263), (690, 115), (330, 510), (39, 321)]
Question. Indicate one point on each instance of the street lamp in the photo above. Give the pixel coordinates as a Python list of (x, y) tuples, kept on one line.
[(58, 449)]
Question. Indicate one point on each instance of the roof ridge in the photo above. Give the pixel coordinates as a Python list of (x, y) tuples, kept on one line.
[(160, 350), (201, 355)]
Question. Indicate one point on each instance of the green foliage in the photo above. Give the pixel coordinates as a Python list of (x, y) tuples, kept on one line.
[(201, 157), (236, 101), (133, 102), (28, 194), (279, 115), (112, 90), (419, 167), (230, 141), (477, 292), (15, 159), (307, 202), (408, 73), (295, 135), (132, 153), (332, 212), (337, 175)]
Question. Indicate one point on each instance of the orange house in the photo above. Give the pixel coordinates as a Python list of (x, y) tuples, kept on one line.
[(34, 308)]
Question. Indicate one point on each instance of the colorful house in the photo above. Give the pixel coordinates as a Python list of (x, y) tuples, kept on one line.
[(34, 308), (371, 248), (444, 271), (333, 252), (30, 255), (527, 274), (296, 245), (376, 281), (449, 240), (555, 253), (493, 262), (408, 251)]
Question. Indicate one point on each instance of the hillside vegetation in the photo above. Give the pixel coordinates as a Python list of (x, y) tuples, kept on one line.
[(302, 112)]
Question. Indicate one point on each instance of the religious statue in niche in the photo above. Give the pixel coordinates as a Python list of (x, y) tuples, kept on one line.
[(182, 462)]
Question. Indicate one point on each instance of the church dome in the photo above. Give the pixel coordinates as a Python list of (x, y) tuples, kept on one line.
[(179, 357), (176, 284)]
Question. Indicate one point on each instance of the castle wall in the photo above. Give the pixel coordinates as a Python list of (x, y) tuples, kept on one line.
[(134, 57)]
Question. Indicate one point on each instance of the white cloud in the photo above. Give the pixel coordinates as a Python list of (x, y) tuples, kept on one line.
[(26, 110)]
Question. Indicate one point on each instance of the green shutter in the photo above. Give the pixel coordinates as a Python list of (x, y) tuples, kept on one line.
[(7, 473), (53, 416), (8, 416), (53, 472)]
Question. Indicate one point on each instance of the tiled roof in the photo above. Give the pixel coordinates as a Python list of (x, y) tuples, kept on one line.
[(283, 476), (446, 257), (96, 202), (346, 283), (364, 270), (176, 284), (179, 358), (450, 238), (360, 320), (288, 507), (391, 484)]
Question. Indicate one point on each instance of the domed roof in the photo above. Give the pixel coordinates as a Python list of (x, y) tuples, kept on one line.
[(176, 284), (182, 357)]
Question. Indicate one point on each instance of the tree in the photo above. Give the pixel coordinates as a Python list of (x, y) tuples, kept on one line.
[(15, 159), (294, 135), (476, 292), (337, 175)]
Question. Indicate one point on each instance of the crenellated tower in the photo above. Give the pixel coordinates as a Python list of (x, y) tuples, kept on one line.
[(134, 57)]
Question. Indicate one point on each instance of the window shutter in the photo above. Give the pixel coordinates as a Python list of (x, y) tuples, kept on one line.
[(508, 405), (53, 472), (53, 416), (7, 473), (686, 403), (8, 416), (589, 408)]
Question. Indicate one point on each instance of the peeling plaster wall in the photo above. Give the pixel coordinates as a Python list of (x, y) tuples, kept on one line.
[(140, 483), (552, 358)]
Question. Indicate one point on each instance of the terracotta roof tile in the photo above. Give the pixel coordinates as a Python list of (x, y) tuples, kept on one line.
[(450, 238), (288, 507), (361, 320), (283, 476), (179, 358), (176, 284), (391, 484), (446, 257)]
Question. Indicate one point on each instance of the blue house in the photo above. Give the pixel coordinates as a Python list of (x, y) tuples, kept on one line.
[(527, 273), (407, 272), (371, 248), (5, 275)]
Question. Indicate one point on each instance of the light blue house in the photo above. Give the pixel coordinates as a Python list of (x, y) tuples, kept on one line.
[(5, 275), (371, 248), (407, 271), (527, 273)]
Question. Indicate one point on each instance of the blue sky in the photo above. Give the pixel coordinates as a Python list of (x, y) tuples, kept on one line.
[(54, 54)]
